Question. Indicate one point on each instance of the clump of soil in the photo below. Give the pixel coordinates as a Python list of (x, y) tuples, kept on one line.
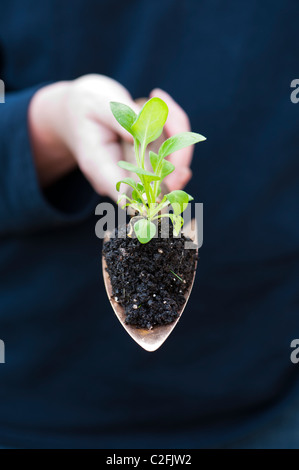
[(149, 281)]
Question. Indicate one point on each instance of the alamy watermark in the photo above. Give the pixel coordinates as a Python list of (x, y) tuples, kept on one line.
[(2, 352), (295, 93), (112, 218), (295, 353), (2, 91)]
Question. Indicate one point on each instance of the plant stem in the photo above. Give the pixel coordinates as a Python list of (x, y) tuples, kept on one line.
[(159, 208), (143, 147), (158, 173), (146, 185), (136, 148), (139, 164)]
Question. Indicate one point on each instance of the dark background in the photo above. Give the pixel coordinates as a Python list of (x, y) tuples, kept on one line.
[(72, 377)]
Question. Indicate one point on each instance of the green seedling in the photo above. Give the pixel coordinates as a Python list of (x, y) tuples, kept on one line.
[(182, 280), (145, 128)]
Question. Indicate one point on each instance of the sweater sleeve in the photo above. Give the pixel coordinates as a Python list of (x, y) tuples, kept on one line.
[(23, 205)]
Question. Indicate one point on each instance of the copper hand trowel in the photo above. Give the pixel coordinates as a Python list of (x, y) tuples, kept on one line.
[(151, 339)]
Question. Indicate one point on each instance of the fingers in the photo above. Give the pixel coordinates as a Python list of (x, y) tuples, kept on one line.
[(99, 91), (98, 161), (97, 133), (179, 178), (176, 123)]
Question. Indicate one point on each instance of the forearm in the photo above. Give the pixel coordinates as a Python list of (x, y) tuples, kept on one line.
[(52, 157), (23, 205)]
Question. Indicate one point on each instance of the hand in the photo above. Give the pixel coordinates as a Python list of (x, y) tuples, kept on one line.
[(176, 123), (71, 125)]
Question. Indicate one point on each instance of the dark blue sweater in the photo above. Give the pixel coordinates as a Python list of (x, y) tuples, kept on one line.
[(73, 377)]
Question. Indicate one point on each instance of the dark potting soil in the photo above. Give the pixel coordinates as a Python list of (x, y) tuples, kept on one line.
[(149, 280)]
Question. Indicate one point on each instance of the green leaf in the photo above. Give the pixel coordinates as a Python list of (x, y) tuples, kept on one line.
[(124, 196), (178, 142), (150, 121), (136, 169), (136, 195), (128, 181), (177, 222), (179, 200), (154, 159), (124, 115), (145, 230), (167, 168), (128, 204)]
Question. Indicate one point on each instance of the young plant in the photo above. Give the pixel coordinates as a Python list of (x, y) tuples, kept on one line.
[(145, 128)]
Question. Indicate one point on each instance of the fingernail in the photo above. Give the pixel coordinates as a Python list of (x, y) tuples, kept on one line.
[(156, 91)]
